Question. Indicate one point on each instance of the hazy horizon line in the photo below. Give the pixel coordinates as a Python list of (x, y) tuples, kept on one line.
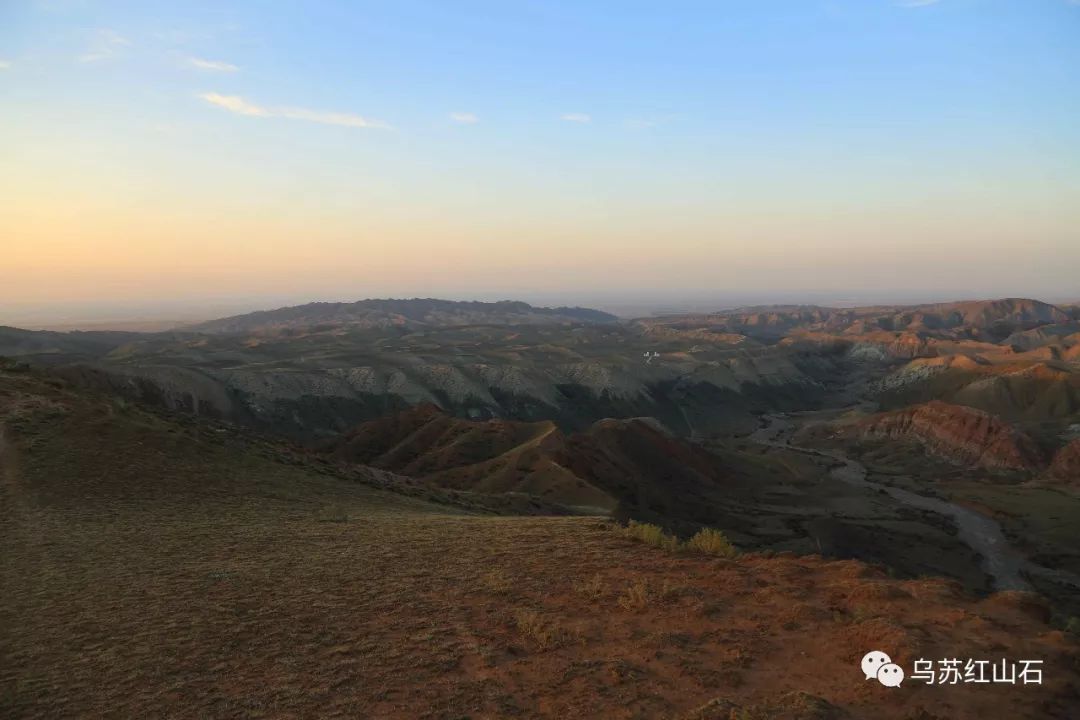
[(172, 314)]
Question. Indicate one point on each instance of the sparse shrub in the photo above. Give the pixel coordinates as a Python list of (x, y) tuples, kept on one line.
[(637, 596), (591, 589), (671, 593), (711, 542), (650, 535), (543, 632), (1072, 625), (707, 541)]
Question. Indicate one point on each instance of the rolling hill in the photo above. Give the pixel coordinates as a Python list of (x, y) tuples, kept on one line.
[(959, 434), (634, 465)]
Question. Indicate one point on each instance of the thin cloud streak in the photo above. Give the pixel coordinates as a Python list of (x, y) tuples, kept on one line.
[(104, 46), (5, 64), (212, 65), (576, 117), (236, 104), (465, 118), (240, 106), (647, 123)]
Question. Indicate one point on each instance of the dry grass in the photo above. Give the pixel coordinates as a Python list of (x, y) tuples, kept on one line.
[(332, 513), (497, 582), (650, 535), (711, 542), (707, 541), (542, 632), (637, 596), (592, 589)]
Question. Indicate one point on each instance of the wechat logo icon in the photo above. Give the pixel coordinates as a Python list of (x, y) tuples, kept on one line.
[(876, 664)]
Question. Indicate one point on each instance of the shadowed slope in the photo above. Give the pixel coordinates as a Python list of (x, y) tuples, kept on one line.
[(490, 456), (634, 463)]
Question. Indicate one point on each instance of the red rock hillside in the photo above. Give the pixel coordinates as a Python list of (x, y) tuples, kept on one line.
[(959, 434)]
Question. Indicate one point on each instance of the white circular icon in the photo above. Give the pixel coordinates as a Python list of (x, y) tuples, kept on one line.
[(872, 662), (890, 675)]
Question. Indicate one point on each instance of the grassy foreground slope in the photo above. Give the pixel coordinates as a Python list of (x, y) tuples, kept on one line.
[(158, 569)]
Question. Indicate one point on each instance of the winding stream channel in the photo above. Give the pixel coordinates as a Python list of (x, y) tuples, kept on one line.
[(1000, 561)]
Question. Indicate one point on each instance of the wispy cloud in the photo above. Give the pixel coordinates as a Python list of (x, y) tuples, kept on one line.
[(236, 104), (240, 106), (576, 117), (5, 64), (645, 123), (104, 44), (465, 118), (330, 118), (917, 3), (211, 65)]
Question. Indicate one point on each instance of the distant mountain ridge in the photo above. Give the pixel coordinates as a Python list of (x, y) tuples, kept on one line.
[(985, 319), (414, 312), (315, 370)]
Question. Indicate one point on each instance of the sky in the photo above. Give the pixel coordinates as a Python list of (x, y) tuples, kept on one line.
[(184, 158)]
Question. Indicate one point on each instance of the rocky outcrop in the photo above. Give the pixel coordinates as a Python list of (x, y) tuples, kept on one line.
[(1065, 334), (1066, 464), (959, 434), (888, 346)]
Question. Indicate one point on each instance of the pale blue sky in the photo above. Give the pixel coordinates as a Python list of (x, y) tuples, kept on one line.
[(341, 149)]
